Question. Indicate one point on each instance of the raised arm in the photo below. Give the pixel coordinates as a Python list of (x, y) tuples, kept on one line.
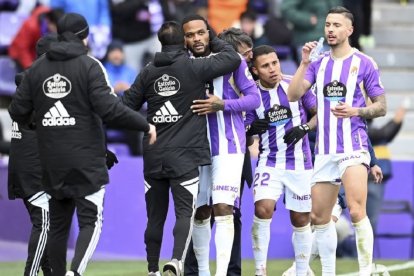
[(225, 61), (299, 85)]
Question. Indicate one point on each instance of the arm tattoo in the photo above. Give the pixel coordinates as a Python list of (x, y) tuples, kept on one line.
[(378, 108), (217, 105)]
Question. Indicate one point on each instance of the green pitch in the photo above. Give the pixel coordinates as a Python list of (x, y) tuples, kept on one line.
[(138, 268)]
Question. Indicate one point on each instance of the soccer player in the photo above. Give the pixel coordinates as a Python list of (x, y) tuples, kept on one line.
[(285, 163), (169, 86), (342, 77), (69, 93), (226, 133), (243, 44)]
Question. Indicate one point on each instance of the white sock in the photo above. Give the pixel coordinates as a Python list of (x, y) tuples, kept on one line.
[(224, 242), (365, 245), (260, 241), (302, 245), (326, 240), (201, 244), (314, 251)]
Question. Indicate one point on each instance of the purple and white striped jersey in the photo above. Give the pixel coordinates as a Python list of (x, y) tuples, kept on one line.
[(225, 129), (351, 80), (282, 116)]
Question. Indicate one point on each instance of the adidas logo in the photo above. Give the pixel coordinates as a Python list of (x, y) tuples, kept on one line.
[(16, 134), (58, 116), (166, 114)]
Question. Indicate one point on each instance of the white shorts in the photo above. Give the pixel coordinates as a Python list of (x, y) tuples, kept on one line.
[(331, 167), (221, 180), (271, 183)]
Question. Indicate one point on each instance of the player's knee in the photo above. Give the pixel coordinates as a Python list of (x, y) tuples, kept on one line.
[(203, 212), (319, 219), (299, 219), (222, 209), (356, 213), (263, 212)]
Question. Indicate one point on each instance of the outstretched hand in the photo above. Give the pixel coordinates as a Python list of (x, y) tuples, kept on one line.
[(210, 105)]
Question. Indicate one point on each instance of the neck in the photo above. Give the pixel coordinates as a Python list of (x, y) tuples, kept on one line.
[(341, 51), (267, 85)]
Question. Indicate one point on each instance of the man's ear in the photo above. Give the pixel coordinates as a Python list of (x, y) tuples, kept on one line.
[(350, 31), (255, 71)]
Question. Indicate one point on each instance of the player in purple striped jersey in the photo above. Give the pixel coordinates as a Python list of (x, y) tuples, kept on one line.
[(285, 163), (343, 78), (226, 133)]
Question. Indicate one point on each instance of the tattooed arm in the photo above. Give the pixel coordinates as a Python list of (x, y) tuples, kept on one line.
[(378, 108)]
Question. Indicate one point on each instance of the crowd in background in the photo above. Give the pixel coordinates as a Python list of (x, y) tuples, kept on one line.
[(123, 32)]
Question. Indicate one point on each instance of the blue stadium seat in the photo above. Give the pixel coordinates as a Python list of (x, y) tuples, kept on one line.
[(7, 72), (288, 67), (13, 21), (283, 52)]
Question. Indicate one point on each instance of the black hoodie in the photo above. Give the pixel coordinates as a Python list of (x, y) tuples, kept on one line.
[(70, 94), (169, 86)]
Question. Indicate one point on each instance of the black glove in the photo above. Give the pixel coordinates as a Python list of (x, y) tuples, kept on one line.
[(259, 126), (293, 135), (110, 159)]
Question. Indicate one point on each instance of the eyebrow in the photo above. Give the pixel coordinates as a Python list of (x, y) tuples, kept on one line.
[(196, 31)]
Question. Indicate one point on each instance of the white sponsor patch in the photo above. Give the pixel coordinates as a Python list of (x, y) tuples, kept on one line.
[(166, 85), (57, 86)]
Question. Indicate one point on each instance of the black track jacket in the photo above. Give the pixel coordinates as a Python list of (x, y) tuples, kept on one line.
[(169, 86), (70, 94)]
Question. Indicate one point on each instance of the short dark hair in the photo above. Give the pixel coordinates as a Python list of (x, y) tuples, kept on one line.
[(344, 11), (262, 50), (236, 37), (248, 14), (171, 33), (193, 17)]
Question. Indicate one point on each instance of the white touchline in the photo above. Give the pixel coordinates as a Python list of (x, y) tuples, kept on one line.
[(395, 267)]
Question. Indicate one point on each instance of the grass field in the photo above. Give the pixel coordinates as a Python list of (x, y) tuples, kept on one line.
[(138, 268)]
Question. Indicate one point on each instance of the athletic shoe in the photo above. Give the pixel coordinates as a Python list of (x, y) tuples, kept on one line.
[(291, 271), (379, 270), (154, 273), (71, 273), (172, 268)]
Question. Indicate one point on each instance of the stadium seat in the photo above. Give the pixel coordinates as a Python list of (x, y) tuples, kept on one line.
[(283, 52), (7, 72), (289, 67), (398, 207), (13, 21)]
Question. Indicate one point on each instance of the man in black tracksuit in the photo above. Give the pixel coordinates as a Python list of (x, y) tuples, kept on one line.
[(25, 182), (169, 86), (70, 95)]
